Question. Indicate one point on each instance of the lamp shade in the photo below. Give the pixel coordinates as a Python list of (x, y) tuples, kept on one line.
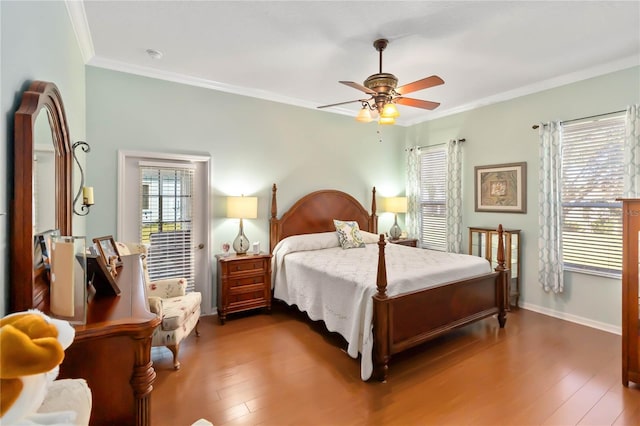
[(396, 204), (364, 116), (386, 120), (390, 111), (242, 207)]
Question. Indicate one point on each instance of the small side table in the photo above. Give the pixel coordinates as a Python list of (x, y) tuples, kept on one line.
[(244, 283), (410, 242)]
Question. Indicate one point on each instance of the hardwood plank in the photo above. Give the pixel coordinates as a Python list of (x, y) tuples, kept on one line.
[(283, 369)]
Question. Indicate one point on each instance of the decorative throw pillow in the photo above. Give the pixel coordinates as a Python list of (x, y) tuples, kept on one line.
[(348, 234)]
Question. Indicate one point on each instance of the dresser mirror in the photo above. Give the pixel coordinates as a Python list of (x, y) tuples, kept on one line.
[(44, 175), (41, 136)]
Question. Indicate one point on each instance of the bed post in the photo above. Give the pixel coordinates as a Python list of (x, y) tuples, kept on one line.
[(381, 344), (503, 281), (273, 222), (373, 219)]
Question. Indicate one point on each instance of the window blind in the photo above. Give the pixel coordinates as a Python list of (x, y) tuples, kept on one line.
[(592, 179), (433, 198), (166, 218)]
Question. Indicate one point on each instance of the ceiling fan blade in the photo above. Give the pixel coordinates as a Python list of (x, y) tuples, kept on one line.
[(425, 83), (342, 103), (359, 87), (417, 103)]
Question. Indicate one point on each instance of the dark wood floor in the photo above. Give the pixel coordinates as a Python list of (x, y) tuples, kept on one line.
[(282, 369)]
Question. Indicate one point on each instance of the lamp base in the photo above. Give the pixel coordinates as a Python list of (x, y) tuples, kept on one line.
[(241, 243), (395, 230)]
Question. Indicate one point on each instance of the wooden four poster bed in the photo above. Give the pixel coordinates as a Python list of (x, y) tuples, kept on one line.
[(399, 321)]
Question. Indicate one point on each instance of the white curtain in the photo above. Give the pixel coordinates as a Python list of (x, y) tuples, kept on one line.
[(454, 197), (550, 263), (412, 217), (632, 152)]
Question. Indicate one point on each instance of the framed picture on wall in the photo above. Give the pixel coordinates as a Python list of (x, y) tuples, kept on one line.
[(501, 188)]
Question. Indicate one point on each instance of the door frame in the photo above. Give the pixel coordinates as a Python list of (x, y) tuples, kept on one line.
[(123, 155)]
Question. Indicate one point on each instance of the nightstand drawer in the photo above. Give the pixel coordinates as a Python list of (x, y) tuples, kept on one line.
[(250, 293), (250, 265), (246, 281)]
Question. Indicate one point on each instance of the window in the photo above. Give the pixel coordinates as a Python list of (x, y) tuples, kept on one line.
[(592, 179), (433, 198), (167, 221)]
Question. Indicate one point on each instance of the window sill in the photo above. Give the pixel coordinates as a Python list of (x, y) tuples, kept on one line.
[(613, 275)]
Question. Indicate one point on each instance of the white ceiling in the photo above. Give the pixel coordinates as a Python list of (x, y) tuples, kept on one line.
[(296, 51)]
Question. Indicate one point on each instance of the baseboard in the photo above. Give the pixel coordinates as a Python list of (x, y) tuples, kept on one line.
[(572, 318)]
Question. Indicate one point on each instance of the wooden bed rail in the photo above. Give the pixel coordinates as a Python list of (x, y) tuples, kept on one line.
[(478, 297)]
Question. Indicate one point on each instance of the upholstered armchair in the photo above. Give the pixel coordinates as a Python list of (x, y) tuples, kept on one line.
[(179, 310)]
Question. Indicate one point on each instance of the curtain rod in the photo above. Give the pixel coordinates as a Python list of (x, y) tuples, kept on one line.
[(438, 144), (535, 126)]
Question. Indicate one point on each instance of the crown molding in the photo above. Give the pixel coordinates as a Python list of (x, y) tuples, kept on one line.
[(619, 65), (100, 62), (75, 9), (551, 83)]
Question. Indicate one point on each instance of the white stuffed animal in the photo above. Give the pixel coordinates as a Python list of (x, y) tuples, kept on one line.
[(31, 349)]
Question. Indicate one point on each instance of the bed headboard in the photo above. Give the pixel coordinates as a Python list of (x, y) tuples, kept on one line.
[(315, 213)]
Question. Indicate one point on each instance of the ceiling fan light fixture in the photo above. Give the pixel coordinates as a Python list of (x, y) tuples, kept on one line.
[(384, 92), (390, 111), (364, 116)]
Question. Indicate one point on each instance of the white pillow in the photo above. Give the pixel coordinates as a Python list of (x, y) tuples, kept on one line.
[(317, 241), (348, 234), (369, 238)]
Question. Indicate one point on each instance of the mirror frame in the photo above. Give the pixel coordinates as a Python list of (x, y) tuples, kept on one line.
[(29, 284)]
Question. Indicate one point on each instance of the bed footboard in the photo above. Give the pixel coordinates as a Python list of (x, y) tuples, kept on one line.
[(406, 320)]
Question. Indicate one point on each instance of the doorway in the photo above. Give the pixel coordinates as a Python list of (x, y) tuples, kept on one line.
[(163, 203)]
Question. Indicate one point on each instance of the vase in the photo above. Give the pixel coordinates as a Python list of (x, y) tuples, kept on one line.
[(68, 293)]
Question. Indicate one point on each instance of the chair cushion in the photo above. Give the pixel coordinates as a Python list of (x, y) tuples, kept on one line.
[(174, 337), (177, 310)]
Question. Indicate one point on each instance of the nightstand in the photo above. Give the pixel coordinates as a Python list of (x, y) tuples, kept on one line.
[(244, 283), (410, 242)]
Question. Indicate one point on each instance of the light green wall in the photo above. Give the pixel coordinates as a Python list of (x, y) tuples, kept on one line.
[(255, 143), (37, 43), (502, 133), (252, 143)]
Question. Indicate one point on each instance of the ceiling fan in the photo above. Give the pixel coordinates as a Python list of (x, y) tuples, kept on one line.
[(385, 94)]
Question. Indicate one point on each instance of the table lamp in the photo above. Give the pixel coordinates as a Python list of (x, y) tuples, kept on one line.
[(242, 208), (396, 205)]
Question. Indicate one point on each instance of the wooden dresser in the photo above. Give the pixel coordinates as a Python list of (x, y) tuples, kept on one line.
[(244, 282), (630, 291), (112, 352)]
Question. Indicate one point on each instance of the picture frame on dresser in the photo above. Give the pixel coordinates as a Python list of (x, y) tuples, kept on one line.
[(108, 250), (42, 247), (501, 188), (100, 277)]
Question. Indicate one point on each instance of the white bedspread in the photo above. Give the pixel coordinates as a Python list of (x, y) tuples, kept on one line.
[(337, 286)]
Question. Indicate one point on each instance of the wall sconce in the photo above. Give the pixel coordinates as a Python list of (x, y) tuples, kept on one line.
[(242, 208), (395, 205), (87, 191)]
